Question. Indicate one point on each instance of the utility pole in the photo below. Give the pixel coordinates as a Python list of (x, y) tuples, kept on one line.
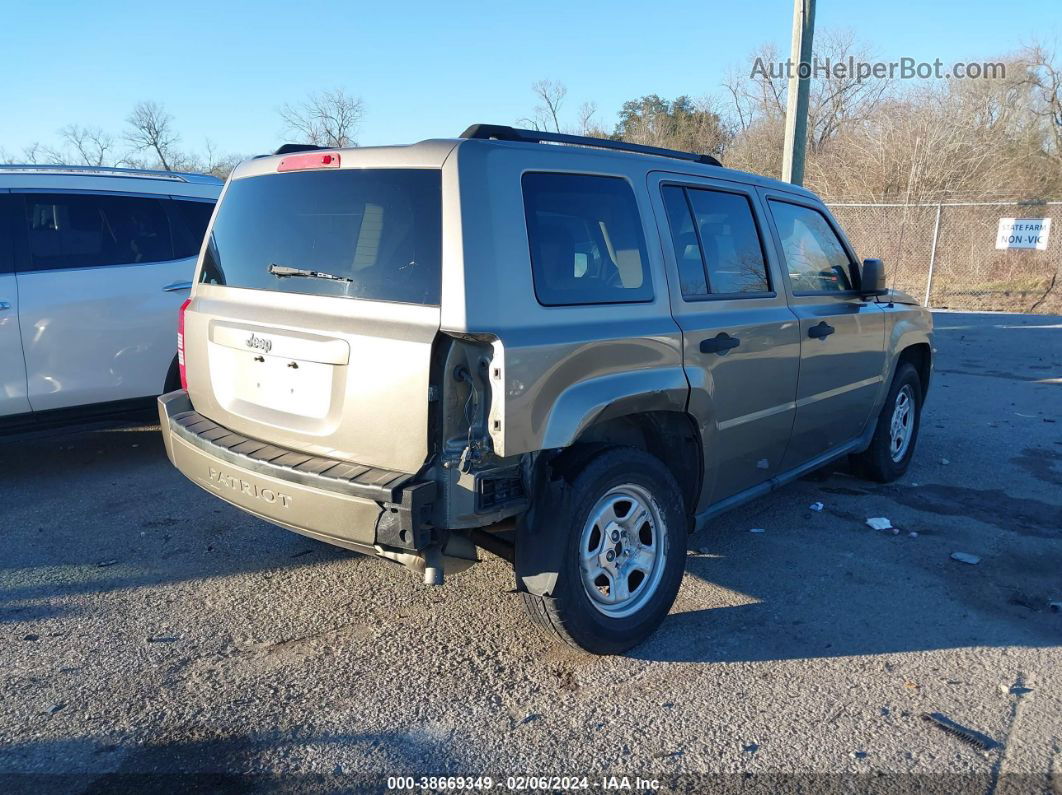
[(796, 109)]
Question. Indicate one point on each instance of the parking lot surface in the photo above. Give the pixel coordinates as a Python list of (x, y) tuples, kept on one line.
[(152, 635)]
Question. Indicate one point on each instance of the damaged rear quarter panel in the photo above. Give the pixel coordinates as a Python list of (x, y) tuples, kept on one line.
[(569, 387), (564, 366)]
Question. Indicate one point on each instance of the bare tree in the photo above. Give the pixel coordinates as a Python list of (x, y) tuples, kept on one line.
[(919, 141), (843, 100), (92, 144), (1044, 76), (152, 143), (551, 96), (210, 153), (838, 103), (151, 130), (32, 154), (217, 163), (760, 95), (37, 153), (588, 124), (329, 118)]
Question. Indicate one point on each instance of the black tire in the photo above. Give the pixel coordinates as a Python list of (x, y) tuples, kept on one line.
[(570, 614), (877, 462)]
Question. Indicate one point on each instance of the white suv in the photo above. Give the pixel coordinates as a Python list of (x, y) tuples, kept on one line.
[(94, 264)]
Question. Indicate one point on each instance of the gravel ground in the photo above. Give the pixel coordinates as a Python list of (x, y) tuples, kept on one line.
[(153, 637)]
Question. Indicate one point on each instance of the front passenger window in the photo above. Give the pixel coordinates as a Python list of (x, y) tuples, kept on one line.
[(816, 259)]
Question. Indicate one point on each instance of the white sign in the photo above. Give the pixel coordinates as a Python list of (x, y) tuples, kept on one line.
[(1023, 233)]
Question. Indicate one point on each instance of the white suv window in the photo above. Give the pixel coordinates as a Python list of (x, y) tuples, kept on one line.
[(72, 230)]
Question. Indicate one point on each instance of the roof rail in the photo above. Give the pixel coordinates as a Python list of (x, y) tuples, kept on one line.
[(500, 132), (287, 149), (110, 171)]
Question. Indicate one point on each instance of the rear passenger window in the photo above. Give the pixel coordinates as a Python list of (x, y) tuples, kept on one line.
[(717, 245), (814, 255), (70, 230), (586, 240), (190, 223)]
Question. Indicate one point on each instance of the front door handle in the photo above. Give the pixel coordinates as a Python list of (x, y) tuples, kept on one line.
[(5, 305), (720, 343), (173, 287), (821, 331)]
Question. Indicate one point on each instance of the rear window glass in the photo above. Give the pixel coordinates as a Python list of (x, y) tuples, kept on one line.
[(368, 233), (586, 240)]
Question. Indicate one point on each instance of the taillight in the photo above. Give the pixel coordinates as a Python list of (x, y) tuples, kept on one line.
[(180, 343), (312, 160)]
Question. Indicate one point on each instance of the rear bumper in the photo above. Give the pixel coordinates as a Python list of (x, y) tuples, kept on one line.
[(350, 505)]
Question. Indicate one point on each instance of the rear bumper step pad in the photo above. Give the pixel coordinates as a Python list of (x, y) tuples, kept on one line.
[(329, 474), (349, 504)]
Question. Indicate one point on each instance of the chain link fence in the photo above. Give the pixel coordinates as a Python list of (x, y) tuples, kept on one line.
[(945, 254)]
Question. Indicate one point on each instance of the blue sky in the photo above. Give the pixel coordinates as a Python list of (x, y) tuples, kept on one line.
[(428, 69)]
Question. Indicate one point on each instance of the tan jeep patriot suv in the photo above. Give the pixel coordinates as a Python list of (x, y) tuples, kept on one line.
[(566, 351)]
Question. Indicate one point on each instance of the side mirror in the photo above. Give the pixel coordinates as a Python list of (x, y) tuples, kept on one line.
[(872, 278)]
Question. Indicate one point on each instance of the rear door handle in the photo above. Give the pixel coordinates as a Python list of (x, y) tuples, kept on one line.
[(821, 331), (4, 305), (173, 287), (720, 343)]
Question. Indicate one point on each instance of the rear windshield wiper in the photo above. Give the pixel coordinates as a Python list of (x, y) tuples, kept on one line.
[(282, 271)]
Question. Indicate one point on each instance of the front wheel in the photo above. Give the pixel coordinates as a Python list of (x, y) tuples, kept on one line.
[(896, 433), (625, 552)]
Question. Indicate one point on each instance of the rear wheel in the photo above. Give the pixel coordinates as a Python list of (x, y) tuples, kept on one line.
[(896, 433), (625, 552)]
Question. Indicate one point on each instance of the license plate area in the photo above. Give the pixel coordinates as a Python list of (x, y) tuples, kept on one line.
[(278, 383)]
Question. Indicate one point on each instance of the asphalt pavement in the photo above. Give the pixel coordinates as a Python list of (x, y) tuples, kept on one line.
[(153, 637)]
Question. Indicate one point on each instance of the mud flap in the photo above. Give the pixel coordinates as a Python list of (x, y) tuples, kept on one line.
[(542, 538)]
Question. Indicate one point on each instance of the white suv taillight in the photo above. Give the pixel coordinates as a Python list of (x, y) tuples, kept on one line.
[(180, 343)]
